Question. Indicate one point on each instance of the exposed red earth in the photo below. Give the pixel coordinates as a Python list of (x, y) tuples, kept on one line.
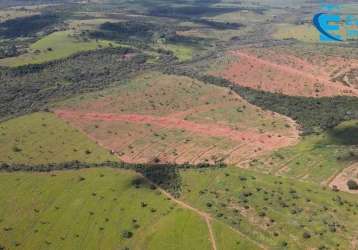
[(243, 144), (290, 75), (340, 180)]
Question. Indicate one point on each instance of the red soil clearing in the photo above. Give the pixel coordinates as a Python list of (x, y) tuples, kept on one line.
[(265, 141), (283, 74)]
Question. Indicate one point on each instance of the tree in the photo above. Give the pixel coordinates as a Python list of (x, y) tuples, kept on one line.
[(306, 235), (127, 234), (352, 185)]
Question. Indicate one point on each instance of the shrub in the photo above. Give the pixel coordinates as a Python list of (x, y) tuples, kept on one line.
[(80, 178), (16, 149), (262, 214), (284, 243), (127, 234), (306, 235), (352, 185)]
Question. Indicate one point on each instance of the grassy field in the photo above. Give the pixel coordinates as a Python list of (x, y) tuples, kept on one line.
[(183, 53), (305, 33), (43, 138), (229, 238), (178, 230), (316, 158), (215, 34), (277, 212), (92, 209), (57, 45), (249, 17)]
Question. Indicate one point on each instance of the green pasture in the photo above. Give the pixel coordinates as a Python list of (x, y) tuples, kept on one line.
[(42, 138), (55, 46)]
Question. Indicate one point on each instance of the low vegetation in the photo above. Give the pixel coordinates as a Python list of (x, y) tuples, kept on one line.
[(114, 212), (316, 158), (43, 138), (260, 206)]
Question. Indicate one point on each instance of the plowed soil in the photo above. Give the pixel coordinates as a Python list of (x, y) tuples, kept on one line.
[(291, 75)]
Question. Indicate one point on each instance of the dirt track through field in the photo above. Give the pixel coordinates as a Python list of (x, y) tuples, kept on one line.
[(208, 219), (264, 140)]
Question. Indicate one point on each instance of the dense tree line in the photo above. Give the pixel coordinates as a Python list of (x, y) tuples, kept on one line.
[(8, 51), (133, 28), (219, 25), (27, 26), (126, 31)]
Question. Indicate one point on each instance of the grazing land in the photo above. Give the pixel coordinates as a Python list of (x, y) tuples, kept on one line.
[(170, 125), (259, 207), (55, 46), (92, 208), (43, 138)]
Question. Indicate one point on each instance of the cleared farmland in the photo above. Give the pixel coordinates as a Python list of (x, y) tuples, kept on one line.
[(185, 121), (280, 71)]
